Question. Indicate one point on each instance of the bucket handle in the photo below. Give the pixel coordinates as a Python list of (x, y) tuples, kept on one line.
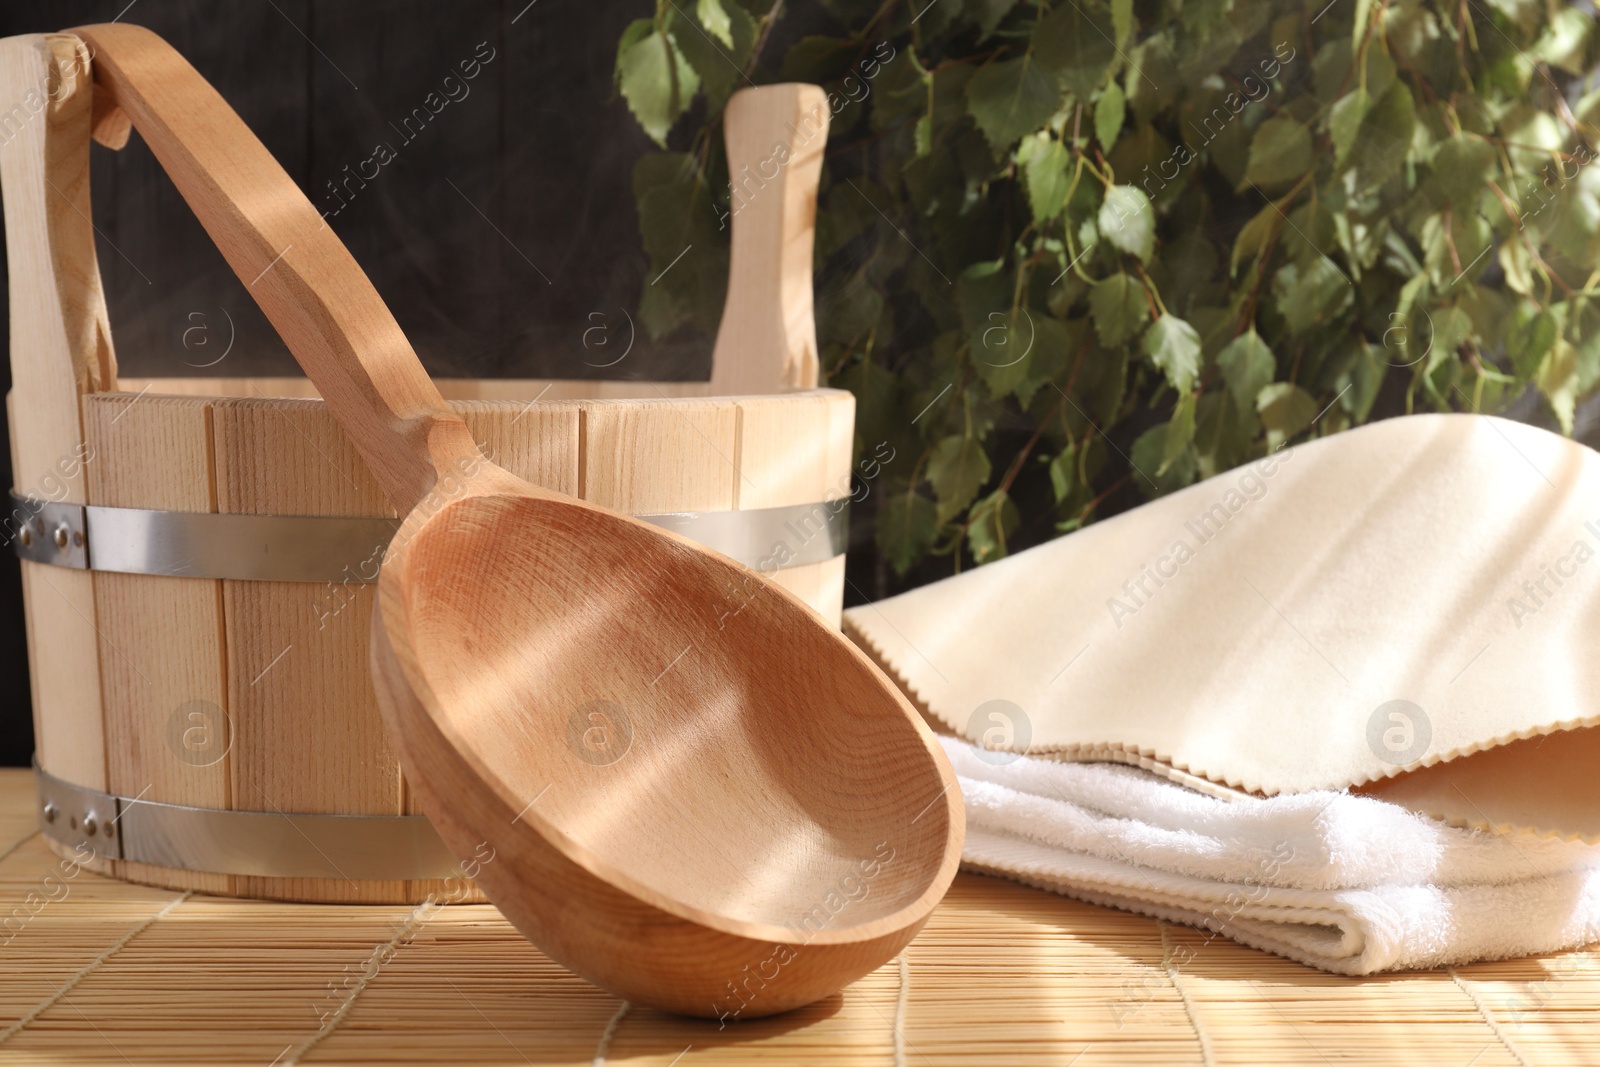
[(60, 335), (767, 341)]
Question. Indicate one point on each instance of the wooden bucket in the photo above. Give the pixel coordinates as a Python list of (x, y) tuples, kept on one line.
[(197, 554)]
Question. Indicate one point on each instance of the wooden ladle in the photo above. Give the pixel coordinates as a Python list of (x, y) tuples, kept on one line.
[(695, 793)]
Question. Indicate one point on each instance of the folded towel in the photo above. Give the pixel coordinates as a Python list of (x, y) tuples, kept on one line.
[(1349, 884)]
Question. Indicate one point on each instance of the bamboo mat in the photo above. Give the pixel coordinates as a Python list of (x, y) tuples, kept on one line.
[(111, 973)]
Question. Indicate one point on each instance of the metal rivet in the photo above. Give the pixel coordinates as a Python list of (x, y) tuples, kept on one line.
[(77, 538), (50, 812), (26, 535), (63, 535), (109, 829), (89, 825)]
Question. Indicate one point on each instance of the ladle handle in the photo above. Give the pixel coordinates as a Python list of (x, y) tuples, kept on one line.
[(295, 267)]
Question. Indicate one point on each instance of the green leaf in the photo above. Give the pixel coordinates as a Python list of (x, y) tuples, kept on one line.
[(717, 65), (847, 313), (1455, 253), (906, 527), (1524, 14), (1046, 175), (1451, 327), (1146, 456), (817, 58), (957, 467), (1127, 220), (1073, 42), (1224, 432), (660, 311), (898, 91), (715, 20), (1100, 390), (1063, 474), (1280, 152), (988, 13), (1180, 432), (1530, 341), (1155, 84), (1557, 379), (1053, 347), (1358, 29), (1109, 113), (1011, 98), (983, 299), (636, 31), (1344, 122), (661, 168), (1019, 351), (842, 218), (1208, 40), (677, 218), (1382, 138), (656, 81), (1461, 168), (1119, 307), (1285, 410), (1517, 264), (1565, 39), (1588, 348), (1247, 366), (1005, 346), (1311, 295), (1121, 20), (1253, 237), (1174, 347), (993, 520)]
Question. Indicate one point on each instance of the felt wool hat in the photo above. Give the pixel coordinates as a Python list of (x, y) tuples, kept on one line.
[(1410, 608)]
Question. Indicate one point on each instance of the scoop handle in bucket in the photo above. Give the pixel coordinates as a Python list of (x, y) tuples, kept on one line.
[(294, 266), (767, 342)]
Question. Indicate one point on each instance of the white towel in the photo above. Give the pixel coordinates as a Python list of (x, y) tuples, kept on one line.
[(1346, 883)]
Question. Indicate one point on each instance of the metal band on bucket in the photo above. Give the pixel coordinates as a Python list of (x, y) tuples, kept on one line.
[(316, 548), (261, 843)]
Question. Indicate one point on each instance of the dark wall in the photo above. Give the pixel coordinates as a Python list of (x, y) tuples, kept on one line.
[(499, 227)]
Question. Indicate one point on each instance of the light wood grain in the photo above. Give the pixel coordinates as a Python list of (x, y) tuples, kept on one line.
[(521, 390), (508, 614), (307, 733), (162, 637), (768, 339), (539, 443), (796, 450), (60, 349), (648, 458)]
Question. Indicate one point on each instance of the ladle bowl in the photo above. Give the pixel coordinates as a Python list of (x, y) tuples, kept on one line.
[(693, 800)]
